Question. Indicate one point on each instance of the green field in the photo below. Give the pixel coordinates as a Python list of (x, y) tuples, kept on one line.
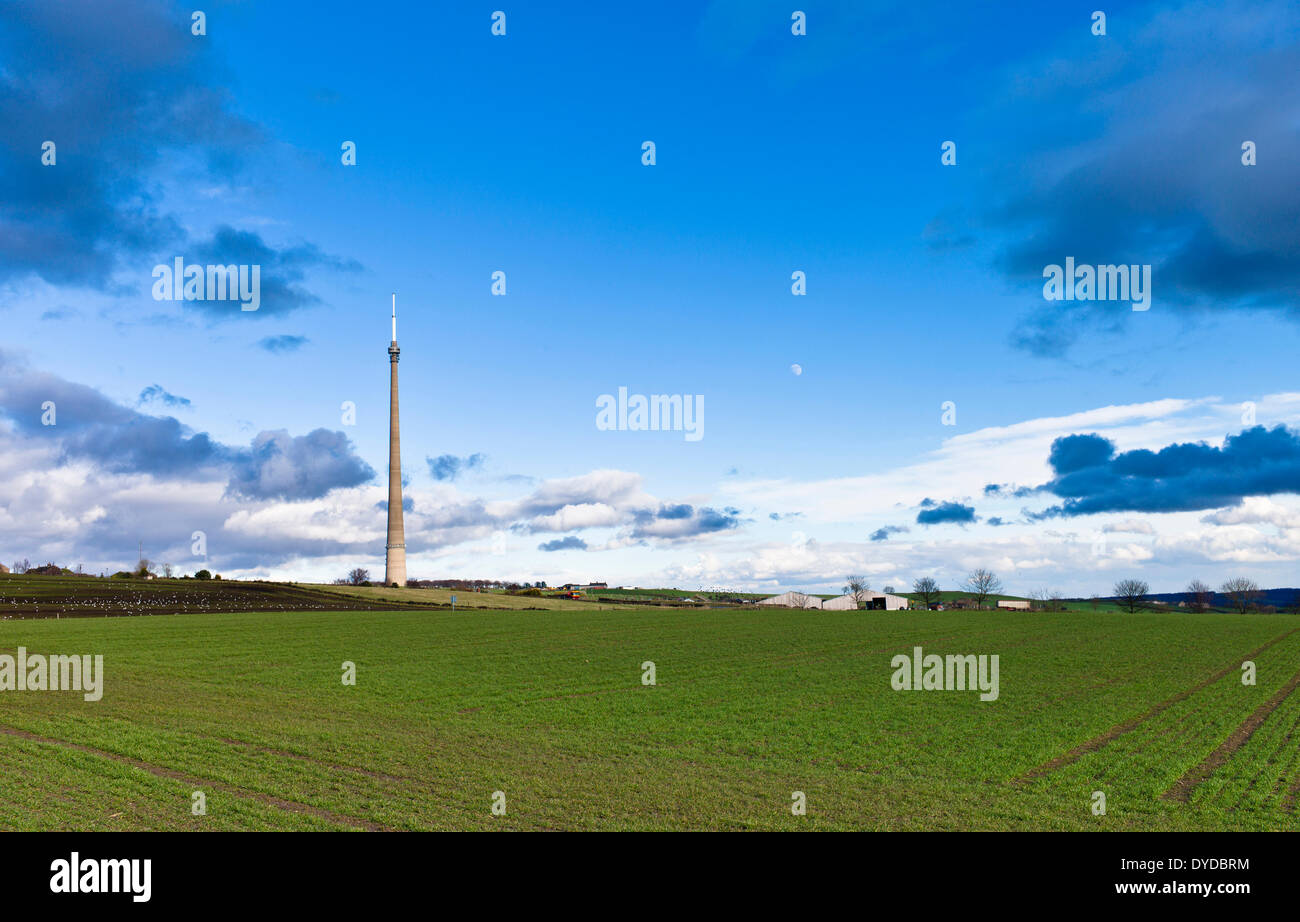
[(750, 706)]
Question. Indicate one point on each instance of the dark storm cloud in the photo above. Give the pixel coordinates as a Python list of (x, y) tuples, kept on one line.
[(121, 89), (89, 426), (116, 87), (281, 466), (571, 543), (1142, 165), (282, 270), (449, 467), (1183, 477), (934, 513)]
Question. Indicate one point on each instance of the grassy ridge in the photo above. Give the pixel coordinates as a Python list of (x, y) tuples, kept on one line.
[(549, 708), (464, 598)]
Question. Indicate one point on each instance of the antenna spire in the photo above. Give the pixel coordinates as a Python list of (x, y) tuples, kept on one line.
[(394, 316)]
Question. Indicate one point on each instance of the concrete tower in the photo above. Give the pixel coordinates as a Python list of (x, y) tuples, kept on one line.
[(395, 556)]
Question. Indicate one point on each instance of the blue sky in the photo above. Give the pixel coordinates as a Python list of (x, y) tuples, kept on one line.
[(774, 153)]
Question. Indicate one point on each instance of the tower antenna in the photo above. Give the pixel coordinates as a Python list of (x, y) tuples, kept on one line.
[(395, 549)]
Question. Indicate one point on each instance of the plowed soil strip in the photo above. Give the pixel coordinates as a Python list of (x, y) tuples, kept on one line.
[(1114, 733), (1289, 804), (1183, 787), (200, 783)]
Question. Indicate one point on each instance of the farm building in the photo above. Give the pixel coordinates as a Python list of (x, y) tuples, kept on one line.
[(873, 601), (1015, 604), (793, 600)]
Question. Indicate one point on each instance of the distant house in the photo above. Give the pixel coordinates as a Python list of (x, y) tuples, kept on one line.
[(1015, 604), (871, 601), (962, 603), (3, 568), (48, 570)]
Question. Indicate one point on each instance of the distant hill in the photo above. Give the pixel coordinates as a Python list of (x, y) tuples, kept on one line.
[(1282, 598)]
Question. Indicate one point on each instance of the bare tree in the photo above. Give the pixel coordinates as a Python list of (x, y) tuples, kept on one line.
[(1202, 595), (1131, 592), (857, 587), (888, 590), (1241, 590), (927, 589), (982, 583), (358, 576), (167, 570)]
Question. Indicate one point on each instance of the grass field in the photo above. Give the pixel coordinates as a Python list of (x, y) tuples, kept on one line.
[(749, 707)]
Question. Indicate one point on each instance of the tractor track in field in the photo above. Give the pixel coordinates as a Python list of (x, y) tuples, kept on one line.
[(291, 806), (1114, 733), (311, 760), (1177, 729), (1283, 771), (1184, 786), (1292, 796)]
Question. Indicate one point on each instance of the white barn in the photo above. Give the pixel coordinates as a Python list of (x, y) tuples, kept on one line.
[(792, 600), (1015, 604), (878, 601)]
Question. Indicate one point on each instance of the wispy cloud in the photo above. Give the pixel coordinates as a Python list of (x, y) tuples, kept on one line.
[(284, 343)]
